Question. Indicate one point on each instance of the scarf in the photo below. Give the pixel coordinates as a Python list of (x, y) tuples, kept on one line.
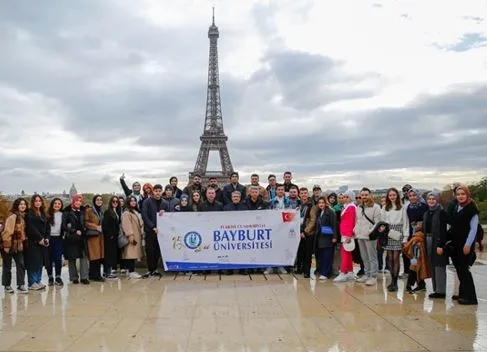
[(419, 199), (422, 267), (97, 209), (351, 204)]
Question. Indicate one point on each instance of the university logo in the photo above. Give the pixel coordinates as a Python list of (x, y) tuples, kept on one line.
[(292, 233), (192, 240)]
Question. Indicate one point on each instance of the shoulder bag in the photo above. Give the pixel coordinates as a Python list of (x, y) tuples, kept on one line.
[(365, 215), (325, 230), (122, 239)]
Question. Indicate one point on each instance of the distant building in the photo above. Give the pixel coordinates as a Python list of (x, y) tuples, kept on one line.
[(379, 192), (73, 191)]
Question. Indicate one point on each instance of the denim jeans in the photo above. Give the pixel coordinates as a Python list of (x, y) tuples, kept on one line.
[(34, 274), (55, 256)]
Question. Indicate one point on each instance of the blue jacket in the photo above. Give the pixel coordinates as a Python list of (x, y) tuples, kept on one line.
[(172, 203), (150, 209), (274, 203)]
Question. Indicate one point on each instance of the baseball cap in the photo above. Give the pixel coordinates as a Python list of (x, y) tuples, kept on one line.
[(316, 187)]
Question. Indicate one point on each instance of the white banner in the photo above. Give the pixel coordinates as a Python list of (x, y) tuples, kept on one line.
[(228, 240)]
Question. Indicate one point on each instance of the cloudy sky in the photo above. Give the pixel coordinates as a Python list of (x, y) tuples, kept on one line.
[(341, 92)]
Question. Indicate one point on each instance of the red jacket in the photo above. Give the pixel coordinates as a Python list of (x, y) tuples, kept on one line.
[(347, 220)]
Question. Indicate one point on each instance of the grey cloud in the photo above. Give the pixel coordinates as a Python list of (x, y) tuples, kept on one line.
[(309, 81), (391, 138), (90, 55), (97, 51)]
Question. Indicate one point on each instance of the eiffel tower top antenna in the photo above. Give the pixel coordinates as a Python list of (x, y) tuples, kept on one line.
[(213, 137)]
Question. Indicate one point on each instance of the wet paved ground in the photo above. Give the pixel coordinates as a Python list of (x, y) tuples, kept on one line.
[(241, 313)]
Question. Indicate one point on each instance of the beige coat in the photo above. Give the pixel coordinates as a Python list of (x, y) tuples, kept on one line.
[(132, 226), (96, 246)]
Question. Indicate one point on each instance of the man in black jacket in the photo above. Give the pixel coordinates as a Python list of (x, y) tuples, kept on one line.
[(231, 187), (195, 185), (254, 201), (213, 183), (236, 204), (288, 178), (210, 204), (151, 208), (305, 249)]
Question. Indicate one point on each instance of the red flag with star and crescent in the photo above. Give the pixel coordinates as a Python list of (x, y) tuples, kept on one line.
[(287, 216)]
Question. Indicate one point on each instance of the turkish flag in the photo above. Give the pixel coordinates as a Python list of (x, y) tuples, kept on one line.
[(287, 217)]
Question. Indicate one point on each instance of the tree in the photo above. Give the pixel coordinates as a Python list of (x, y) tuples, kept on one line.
[(4, 208), (479, 190)]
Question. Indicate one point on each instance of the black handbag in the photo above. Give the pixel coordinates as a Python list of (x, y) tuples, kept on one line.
[(91, 233)]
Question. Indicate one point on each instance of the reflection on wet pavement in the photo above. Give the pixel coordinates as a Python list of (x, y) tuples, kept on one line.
[(241, 313)]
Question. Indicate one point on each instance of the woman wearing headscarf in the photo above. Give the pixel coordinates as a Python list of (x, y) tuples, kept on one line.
[(434, 227), (111, 230), (347, 223), (75, 240), (177, 192), (415, 211), (464, 222), (94, 237), (132, 226)]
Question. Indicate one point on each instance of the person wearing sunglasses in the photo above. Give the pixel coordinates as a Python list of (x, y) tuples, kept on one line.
[(111, 230)]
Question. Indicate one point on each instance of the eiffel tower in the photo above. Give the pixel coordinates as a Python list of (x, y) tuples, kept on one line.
[(213, 137)]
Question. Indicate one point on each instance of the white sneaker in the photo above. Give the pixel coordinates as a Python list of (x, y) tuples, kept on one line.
[(361, 279), (134, 275), (351, 276), (341, 278), (123, 271), (34, 287), (22, 290), (323, 278), (281, 270), (268, 271), (371, 281)]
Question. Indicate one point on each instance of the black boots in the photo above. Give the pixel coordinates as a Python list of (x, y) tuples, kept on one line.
[(393, 286)]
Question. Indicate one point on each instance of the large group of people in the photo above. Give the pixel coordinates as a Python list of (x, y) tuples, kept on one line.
[(100, 241)]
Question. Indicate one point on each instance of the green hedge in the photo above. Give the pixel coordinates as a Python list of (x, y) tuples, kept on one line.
[(483, 212)]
